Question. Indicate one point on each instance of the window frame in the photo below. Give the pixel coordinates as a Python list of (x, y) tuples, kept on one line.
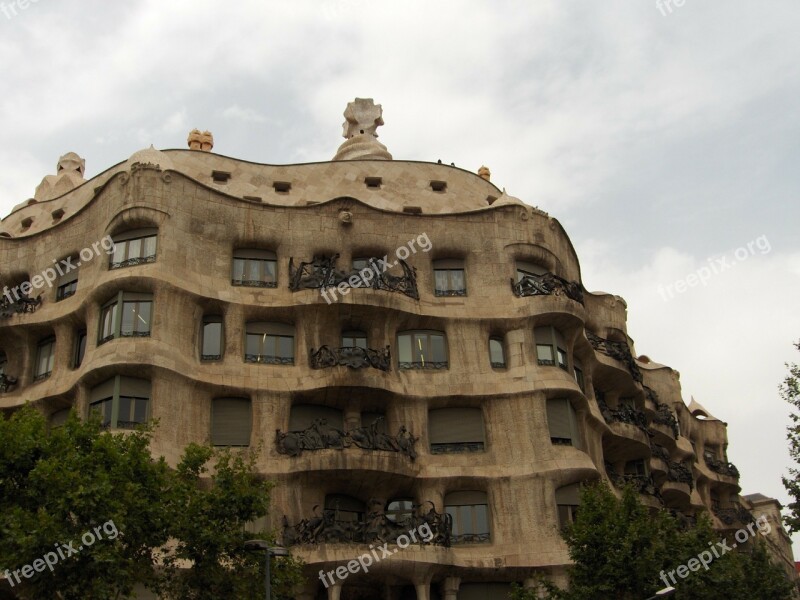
[(465, 513), (122, 255), (271, 335), (79, 351), (215, 410), (452, 269), (572, 422), (442, 444), (499, 341), (354, 335), (550, 338), (423, 364), (115, 309), (259, 259), (212, 320), (46, 344), (122, 387)]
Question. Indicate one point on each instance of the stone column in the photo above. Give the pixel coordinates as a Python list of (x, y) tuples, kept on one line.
[(423, 590), (335, 591), (450, 588)]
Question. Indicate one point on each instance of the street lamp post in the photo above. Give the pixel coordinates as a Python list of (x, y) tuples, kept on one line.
[(263, 545)]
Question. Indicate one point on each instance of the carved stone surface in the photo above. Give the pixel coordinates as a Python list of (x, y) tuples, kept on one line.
[(6, 383), (362, 119), (547, 285), (320, 436), (321, 273), (616, 350), (374, 526), (722, 467), (24, 304), (350, 356)]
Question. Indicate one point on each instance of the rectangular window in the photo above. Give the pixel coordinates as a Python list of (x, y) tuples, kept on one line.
[(134, 248), (212, 339), (104, 407), (544, 354), (562, 422), (422, 350), (135, 319), (80, 349), (354, 339), (579, 378), (231, 422), (45, 356), (66, 290), (254, 268), (497, 353), (132, 412)]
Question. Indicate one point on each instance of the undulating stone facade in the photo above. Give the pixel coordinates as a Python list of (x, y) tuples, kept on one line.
[(412, 346)]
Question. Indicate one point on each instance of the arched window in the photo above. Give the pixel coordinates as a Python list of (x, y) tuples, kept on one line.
[(452, 430), (231, 421), (497, 353), (212, 341), (270, 343), (470, 513), (123, 402), (134, 247), (400, 511), (254, 268), (422, 350)]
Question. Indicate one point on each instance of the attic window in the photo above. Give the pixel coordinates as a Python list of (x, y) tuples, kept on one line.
[(26, 222), (373, 182), (412, 210), (57, 214), (438, 186), (220, 176), (490, 200), (252, 198), (282, 187)]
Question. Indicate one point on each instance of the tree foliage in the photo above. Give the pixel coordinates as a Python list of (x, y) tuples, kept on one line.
[(180, 532), (790, 392), (622, 549)]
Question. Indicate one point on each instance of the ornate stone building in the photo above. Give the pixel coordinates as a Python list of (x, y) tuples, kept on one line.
[(412, 346)]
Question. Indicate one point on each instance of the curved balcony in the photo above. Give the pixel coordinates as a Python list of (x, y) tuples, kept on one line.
[(733, 516), (721, 467), (643, 484), (547, 284), (21, 304), (616, 350)]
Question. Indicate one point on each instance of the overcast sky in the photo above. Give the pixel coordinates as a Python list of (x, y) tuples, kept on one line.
[(665, 142)]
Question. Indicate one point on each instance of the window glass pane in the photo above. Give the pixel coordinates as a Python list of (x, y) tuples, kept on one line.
[(212, 339), (120, 251), (441, 279), (360, 263), (134, 248), (238, 269), (253, 270), (140, 410), (438, 353), (496, 352), (457, 279), (104, 408), (128, 317), (404, 348), (453, 512), (420, 349), (285, 347), (108, 321), (125, 410), (254, 343), (545, 354), (481, 514), (149, 246), (562, 358), (269, 270), (80, 349), (143, 316)]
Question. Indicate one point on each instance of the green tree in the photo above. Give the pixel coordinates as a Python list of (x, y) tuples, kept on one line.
[(177, 531), (624, 550), (790, 392)]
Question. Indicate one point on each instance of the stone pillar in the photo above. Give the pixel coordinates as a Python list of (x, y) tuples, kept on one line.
[(450, 588), (423, 590), (335, 591)]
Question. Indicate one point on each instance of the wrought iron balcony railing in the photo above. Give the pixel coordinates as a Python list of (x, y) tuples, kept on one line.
[(680, 473), (471, 538), (616, 350), (428, 364), (721, 467), (268, 359), (321, 436), (547, 284), (254, 283), (6, 383), (643, 484), (368, 527), (664, 416), (350, 356), (450, 293), (659, 452), (21, 303), (132, 262), (457, 447), (733, 514), (623, 414), (321, 273)]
